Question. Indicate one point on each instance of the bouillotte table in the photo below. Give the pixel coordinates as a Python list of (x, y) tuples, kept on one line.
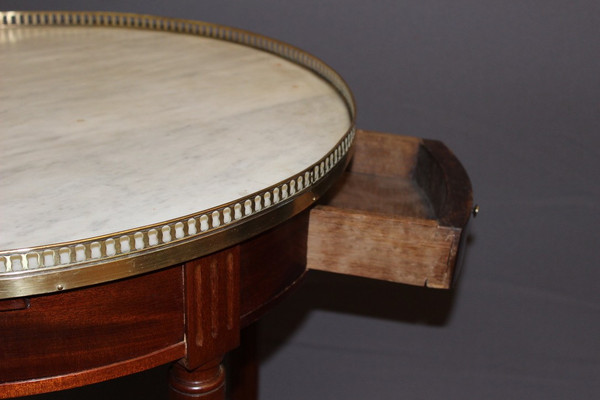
[(163, 182)]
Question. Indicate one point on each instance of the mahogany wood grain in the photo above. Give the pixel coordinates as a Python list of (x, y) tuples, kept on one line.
[(88, 335), (80, 337), (272, 264), (87, 377), (14, 304), (212, 326), (206, 382), (212, 306)]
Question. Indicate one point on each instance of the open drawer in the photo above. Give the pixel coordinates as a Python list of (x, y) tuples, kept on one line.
[(398, 214)]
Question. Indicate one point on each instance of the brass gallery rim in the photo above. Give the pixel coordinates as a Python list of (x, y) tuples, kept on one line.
[(63, 266)]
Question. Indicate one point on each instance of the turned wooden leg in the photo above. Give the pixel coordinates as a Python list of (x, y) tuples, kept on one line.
[(207, 382), (212, 325)]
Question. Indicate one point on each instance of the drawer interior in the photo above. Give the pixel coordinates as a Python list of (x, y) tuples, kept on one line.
[(398, 213)]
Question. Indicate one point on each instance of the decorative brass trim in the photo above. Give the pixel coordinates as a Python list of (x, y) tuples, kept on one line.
[(63, 266)]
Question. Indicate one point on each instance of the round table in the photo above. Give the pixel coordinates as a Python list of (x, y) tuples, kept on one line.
[(142, 159), (157, 178)]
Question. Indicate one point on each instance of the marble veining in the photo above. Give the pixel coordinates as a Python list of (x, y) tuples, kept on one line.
[(110, 129)]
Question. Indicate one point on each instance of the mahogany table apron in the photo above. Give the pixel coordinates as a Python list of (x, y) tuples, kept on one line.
[(193, 312), (164, 182)]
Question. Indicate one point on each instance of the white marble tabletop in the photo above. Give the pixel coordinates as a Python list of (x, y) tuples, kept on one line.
[(110, 129)]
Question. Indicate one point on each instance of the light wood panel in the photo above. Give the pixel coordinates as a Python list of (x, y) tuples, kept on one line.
[(398, 214)]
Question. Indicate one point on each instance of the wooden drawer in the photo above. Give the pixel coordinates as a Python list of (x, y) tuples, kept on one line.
[(399, 213)]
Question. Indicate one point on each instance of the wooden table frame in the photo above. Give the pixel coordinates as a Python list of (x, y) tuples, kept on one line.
[(399, 214)]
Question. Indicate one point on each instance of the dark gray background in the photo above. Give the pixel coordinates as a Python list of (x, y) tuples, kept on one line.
[(513, 87)]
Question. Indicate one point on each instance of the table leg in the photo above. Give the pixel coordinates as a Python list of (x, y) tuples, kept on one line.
[(207, 382)]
